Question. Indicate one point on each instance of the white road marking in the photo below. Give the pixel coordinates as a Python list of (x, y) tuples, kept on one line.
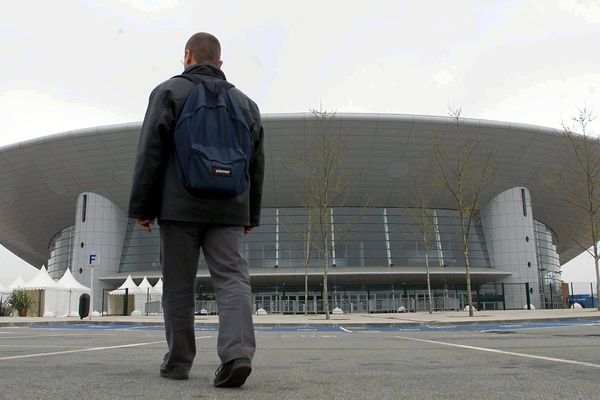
[(359, 330), (124, 346), (510, 353)]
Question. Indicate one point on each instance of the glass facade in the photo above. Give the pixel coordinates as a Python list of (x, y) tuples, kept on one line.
[(60, 251), (141, 250), (548, 265), (359, 237), (355, 237), (444, 238)]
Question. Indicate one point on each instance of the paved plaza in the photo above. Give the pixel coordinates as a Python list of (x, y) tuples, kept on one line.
[(555, 357)]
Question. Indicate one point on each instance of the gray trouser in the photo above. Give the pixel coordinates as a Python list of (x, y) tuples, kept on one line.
[(180, 244)]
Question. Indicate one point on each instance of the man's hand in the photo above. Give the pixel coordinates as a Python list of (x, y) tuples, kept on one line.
[(247, 230), (145, 224)]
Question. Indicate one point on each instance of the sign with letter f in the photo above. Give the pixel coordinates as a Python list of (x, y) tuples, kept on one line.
[(93, 259)]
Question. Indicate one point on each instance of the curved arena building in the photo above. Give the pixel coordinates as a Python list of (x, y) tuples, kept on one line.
[(64, 197)]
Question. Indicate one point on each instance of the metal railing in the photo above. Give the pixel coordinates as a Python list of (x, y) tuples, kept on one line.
[(496, 296)]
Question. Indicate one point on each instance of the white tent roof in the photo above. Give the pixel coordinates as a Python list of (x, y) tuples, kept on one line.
[(4, 288), (145, 285), (17, 283), (159, 286), (128, 284), (42, 281), (68, 281)]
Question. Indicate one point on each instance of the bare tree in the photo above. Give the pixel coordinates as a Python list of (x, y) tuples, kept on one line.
[(425, 226), (464, 169), (419, 201), (301, 233), (323, 185), (577, 182), (306, 261)]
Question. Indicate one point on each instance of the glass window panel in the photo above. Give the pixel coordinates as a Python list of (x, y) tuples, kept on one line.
[(359, 237)]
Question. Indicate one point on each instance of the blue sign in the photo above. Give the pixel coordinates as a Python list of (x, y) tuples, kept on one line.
[(585, 300)]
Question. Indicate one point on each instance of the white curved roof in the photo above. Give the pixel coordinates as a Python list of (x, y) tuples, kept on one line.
[(40, 179)]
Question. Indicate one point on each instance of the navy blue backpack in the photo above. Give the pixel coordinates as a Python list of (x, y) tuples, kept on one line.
[(213, 143)]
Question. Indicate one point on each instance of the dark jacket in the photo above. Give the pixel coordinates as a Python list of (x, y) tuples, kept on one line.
[(157, 191)]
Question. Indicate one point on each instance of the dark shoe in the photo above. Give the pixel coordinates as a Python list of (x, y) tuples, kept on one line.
[(177, 374), (233, 373)]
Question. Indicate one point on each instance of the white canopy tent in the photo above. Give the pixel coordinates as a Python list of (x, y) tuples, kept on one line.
[(139, 296), (4, 289), (53, 298), (75, 290), (116, 297), (158, 289), (159, 286), (146, 286), (154, 305), (4, 293), (129, 284), (17, 284), (149, 295)]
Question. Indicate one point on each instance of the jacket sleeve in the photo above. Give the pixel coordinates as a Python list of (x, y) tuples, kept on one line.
[(153, 149), (257, 170)]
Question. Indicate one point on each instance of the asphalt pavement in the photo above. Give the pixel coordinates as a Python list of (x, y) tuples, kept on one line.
[(110, 363), (524, 355)]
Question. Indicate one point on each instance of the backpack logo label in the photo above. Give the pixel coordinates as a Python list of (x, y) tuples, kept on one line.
[(222, 172)]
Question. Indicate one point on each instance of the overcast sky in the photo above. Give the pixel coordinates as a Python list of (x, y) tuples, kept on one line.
[(68, 65)]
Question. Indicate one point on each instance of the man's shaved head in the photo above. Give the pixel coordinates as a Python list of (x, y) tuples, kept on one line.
[(204, 48)]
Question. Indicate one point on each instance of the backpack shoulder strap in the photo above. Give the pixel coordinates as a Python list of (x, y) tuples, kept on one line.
[(196, 79)]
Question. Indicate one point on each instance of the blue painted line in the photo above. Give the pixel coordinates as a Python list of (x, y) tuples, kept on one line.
[(337, 329)]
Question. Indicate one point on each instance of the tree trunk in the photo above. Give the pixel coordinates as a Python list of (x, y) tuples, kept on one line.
[(597, 261), (306, 260), (468, 273), (325, 240), (306, 289), (325, 292), (428, 278)]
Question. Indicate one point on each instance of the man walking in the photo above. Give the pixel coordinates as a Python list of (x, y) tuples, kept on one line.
[(190, 221)]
